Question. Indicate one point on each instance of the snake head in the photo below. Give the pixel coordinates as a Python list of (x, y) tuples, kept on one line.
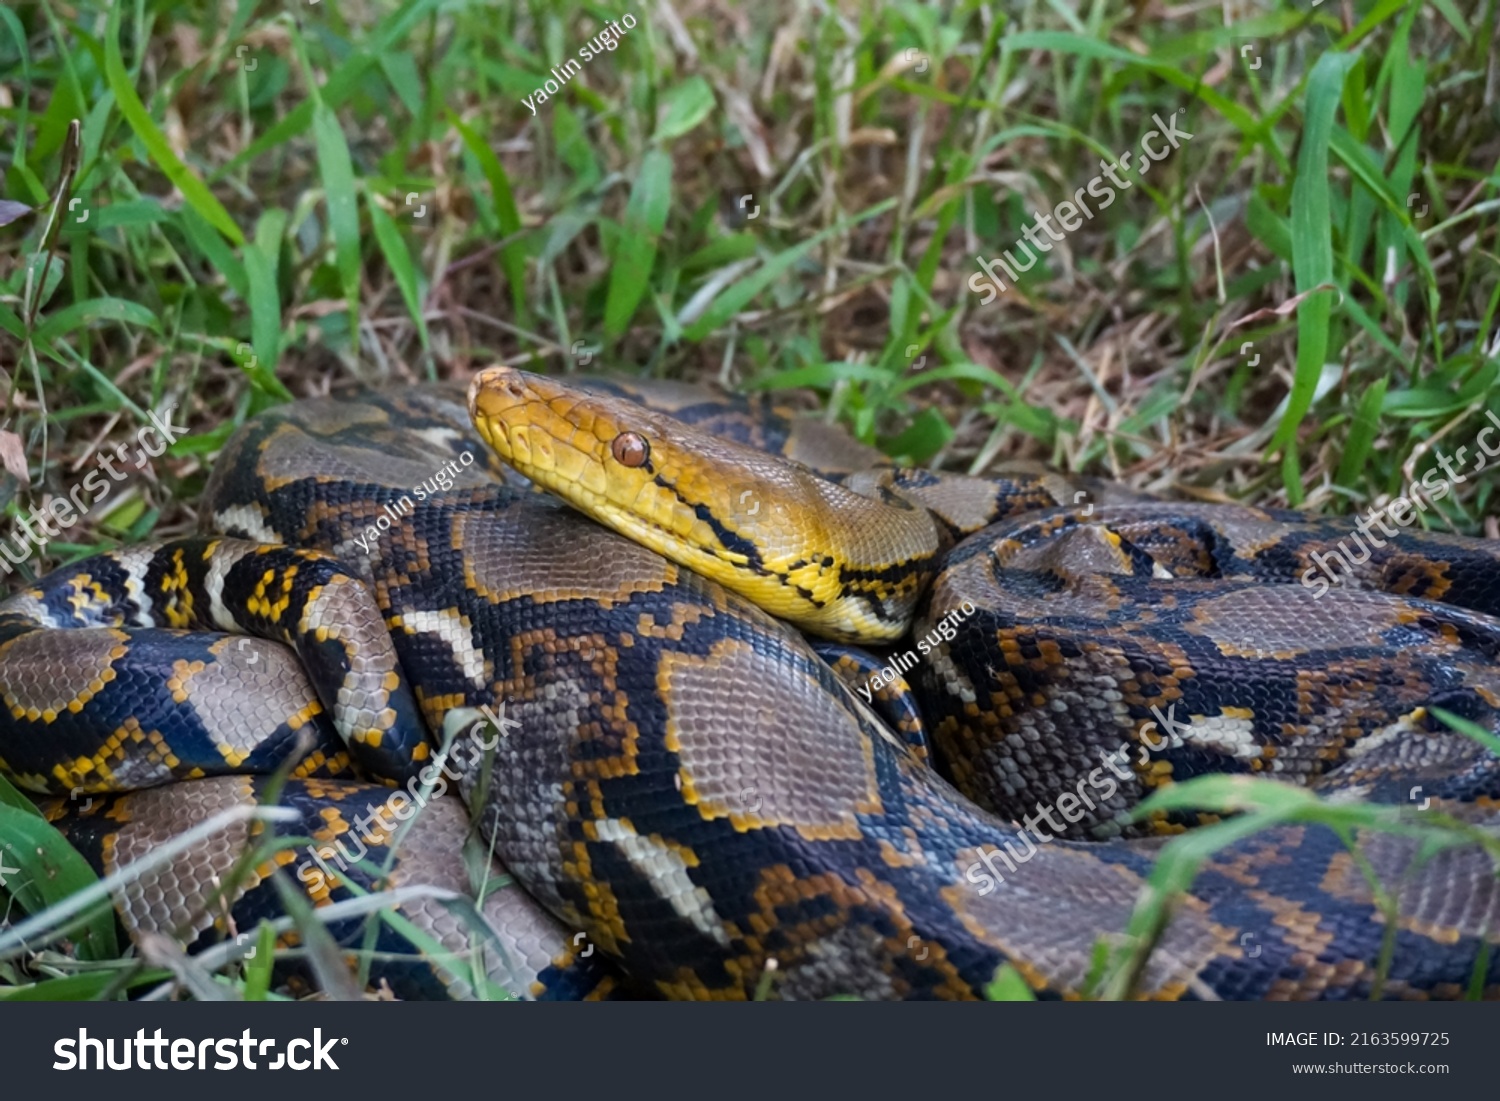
[(830, 560)]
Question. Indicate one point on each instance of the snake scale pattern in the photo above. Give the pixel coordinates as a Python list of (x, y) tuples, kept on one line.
[(685, 799)]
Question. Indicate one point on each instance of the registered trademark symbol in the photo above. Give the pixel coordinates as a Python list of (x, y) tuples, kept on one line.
[(345, 1040)]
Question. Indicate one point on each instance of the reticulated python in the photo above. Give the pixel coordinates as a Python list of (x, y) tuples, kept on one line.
[(682, 782)]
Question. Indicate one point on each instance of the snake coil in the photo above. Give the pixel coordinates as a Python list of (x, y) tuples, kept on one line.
[(681, 780)]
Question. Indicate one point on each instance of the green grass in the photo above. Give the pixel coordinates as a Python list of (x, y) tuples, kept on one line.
[(1295, 307)]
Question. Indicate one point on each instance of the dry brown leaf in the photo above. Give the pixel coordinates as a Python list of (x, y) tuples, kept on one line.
[(1286, 307), (13, 456)]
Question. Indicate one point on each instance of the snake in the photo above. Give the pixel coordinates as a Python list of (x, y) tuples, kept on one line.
[(730, 707)]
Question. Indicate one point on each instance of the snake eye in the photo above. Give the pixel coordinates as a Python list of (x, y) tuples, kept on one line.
[(630, 449)]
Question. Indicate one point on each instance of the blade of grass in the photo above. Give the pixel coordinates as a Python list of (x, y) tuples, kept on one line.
[(403, 269), (79, 988), (1361, 435), (80, 314), (346, 79), (258, 969), (262, 258), (1312, 244), (512, 255), (337, 170), (736, 296), (50, 923), (635, 251), (323, 951), (48, 871), (197, 194)]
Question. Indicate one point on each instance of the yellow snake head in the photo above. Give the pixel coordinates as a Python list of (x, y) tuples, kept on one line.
[(830, 560)]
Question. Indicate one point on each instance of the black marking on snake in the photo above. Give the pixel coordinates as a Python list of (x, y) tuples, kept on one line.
[(118, 608), (866, 583), (735, 543), (730, 541)]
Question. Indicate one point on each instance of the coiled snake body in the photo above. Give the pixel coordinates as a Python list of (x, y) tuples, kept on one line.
[(680, 780)]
